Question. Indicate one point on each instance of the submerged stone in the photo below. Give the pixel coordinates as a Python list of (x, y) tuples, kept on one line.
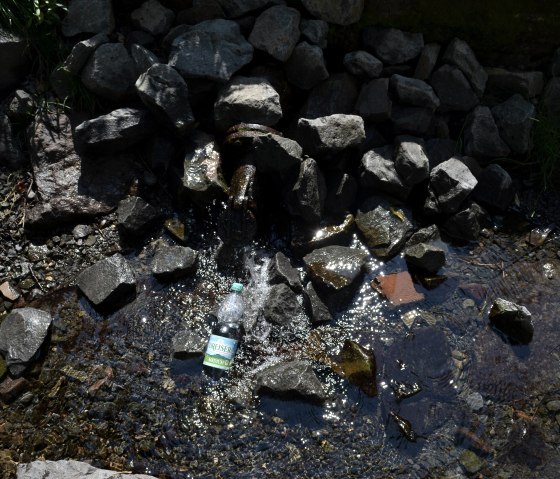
[(357, 364), (512, 320), (281, 306), (398, 288)]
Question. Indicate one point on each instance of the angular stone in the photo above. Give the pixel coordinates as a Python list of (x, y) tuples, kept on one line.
[(335, 267), (481, 135), (12, 388), (22, 333), (471, 462), (110, 72), (307, 197), (363, 64), (174, 262), (411, 162), (189, 343), (143, 58), (451, 182), (329, 135), (550, 99), (466, 224), (9, 292), (213, 50), (276, 31), (317, 310), (504, 83), (514, 119), (373, 103), (414, 92), (412, 120), (337, 94), (10, 152), (82, 51), (21, 107), (392, 46), (274, 153), (315, 31), (153, 18), (459, 54), (427, 61), (343, 12), (281, 305), (13, 49), (108, 281), (306, 66), (166, 95), (70, 470), (247, 100), (424, 235), (513, 320), (453, 89), (334, 233), (88, 16), (398, 288), (495, 188), (291, 379), (135, 216), (427, 257), (378, 173), (238, 8), (280, 270), (117, 130)]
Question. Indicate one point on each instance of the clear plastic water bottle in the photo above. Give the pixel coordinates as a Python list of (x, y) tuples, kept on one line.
[(226, 335)]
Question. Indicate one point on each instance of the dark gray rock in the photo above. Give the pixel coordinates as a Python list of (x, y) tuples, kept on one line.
[(440, 150), (317, 310), (378, 173), (82, 51), (425, 256), (495, 188), (280, 270), (108, 281), (342, 190), (13, 49), (335, 11), (306, 198), (503, 83), (363, 64), (238, 8), (82, 231), (110, 72), (514, 119), (276, 31), (213, 50), (466, 224), (392, 46), (412, 91), (202, 180), (69, 470), (459, 54), (411, 162), (427, 61), (21, 107), (293, 379), (329, 135), (22, 333), (373, 103), (451, 182), (453, 89), (200, 11), (88, 16), (384, 225), (306, 66), (314, 31), (10, 152), (247, 100), (274, 153), (281, 305), (337, 94), (153, 18), (512, 320), (481, 136), (189, 343), (174, 262), (412, 120), (424, 235), (143, 58), (335, 267), (135, 216), (117, 130), (166, 95), (550, 99)]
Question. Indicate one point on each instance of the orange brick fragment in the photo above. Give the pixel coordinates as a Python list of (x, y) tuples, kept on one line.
[(398, 288)]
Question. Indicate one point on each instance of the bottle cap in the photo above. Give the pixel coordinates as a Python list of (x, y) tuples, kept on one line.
[(237, 287)]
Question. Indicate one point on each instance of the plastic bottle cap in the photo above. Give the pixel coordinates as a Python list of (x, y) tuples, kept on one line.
[(237, 287)]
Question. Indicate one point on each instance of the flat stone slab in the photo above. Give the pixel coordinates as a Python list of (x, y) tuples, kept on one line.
[(398, 288), (70, 470)]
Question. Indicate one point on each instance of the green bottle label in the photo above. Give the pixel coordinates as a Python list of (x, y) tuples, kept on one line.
[(220, 352)]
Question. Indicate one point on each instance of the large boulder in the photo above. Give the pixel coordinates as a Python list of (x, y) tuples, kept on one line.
[(379, 173), (88, 16), (392, 46), (514, 119), (70, 470), (373, 103), (459, 54), (276, 31), (453, 89), (152, 17), (339, 12), (306, 66), (412, 91), (481, 135), (306, 198), (13, 59), (335, 267)]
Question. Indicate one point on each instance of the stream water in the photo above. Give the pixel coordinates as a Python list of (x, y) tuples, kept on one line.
[(109, 390)]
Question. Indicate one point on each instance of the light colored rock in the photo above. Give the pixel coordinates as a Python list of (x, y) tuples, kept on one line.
[(70, 470), (451, 182)]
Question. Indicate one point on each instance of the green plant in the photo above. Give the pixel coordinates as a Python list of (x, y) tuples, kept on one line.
[(546, 150)]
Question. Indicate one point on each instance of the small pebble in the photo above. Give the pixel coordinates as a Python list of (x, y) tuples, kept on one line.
[(468, 303), (553, 406)]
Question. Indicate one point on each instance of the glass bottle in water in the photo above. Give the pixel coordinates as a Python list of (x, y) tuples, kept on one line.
[(226, 335)]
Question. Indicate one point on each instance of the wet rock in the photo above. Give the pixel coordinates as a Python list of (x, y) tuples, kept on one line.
[(424, 235), (314, 31), (333, 11), (427, 61), (280, 270), (337, 94), (453, 89), (153, 18), (214, 50), (143, 58), (393, 46), (495, 188), (471, 462), (358, 365), (117, 130), (7, 291), (238, 8), (363, 64), (291, 379), (411, 162), (412, 91), (412, 120), (378, 173), (69, 470), (82, 51), (404, 426), (202, 179), (514, 119), (176, 228), (22, 333), (14, 59), (553, 406), (329, 135), (281, 305), (427, 257), (107, 282), (466, 224), (174, 262), (10, 152), (247, 100), (306, 66), (189, 343), (166, 95), (88, 16), (342, 190), (504, 83), (307, 197), (475, 401), (135, 216), (274, 153), (398, 288), (481, 135), (317, 310), (110, 72), (335, 267), (373, 103), (550, 99), (21, 107), (512, 320), (384, 226), (459, 54), (276, 31), (12, 388)]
